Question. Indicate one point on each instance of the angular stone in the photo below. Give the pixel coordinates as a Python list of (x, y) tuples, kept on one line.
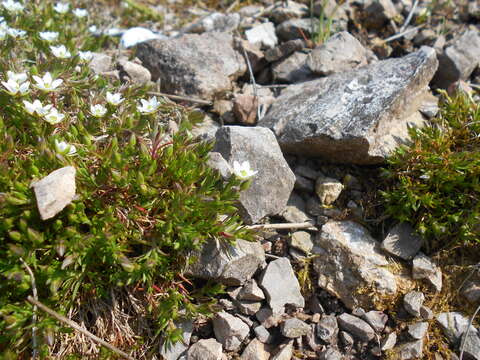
[(301, 240), (471, 346), (376, 319), (271, 186), (297, 29), (350, 259), (245, 108), (358, 116), (196, 65), (328, 189), (205, 349), (459, 59), (174, 351), (330, 354), (248, 307), (410, 350), (413, 301), (287, 11), (262, 334), (216, 22), (262, 35), (356, 326), (251, 292), (378, 12), (293, 69), (267, 318), (402, 241), (280, 272), (294, 328), (454, 325), (418, 330), (229, 264), (206, 130), (135, 73), (471, 291), (342, 52), (255, 350), (285, 352), (217, 162), (389, 341), (55, 191), (346, 339), (101, 63), (294, 212), (426, 313), (327, 328), (285, 49), (303, 184), (424, 268), (229, 330)]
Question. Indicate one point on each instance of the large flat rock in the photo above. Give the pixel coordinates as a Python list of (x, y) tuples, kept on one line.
[(197, 65), (358, 116)]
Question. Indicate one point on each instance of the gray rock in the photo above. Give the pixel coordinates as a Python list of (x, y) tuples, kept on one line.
[(294, 328), (307, 172), (284, 353), (251, 292), (356, 326), (216, 22), (413, 301), (330, 354), (174, 351), (471, 346), (350, 259), (402, 241), (301, 240), (267, 318), (248, 307), (101, 63), (346, 339), (293, 69), (280, 272), (294, 212), (410, 350), (424, 268), (471, 291), (342, 52), (217, 162), (197, 65), (229, 264), (418, 330), (205, 349), (303, 184), (55, 191), (358, 116), (286, 11), (389, 341), (458, 60), (328, 189), (283, 50), (376, 319), (378, 12), (271, 186), (297, 29), (262, 35), (229, 330), (206, 130), (429, 107), (255, 350), (135, 73), (327, 328), (262, 334), (426, 313), (454, 325)]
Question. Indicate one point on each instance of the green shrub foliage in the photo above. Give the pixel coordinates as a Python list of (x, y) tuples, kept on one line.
[(145, 197), (434, 181)]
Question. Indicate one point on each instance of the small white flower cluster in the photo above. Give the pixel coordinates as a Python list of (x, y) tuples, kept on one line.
[(12, 6), (16, 83), (5, 31), (63, 8)]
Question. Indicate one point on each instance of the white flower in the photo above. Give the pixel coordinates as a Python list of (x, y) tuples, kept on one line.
[(3, 34), (61, 8), (148, 106), (47, 83), (12, 6), (36, 107), (93, 29), (85, 55), (80, 13), (98, 110), (60, 52), (13, 87), (63, 147), (114, 99), (243, 170), (16, 33), (18, 77), (53, 117), (48, 35), (136, 35)]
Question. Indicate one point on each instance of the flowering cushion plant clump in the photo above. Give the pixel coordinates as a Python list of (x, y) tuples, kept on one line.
[(145, 198)]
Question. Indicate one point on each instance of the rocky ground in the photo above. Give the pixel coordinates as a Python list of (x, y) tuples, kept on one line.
[(314, 95)]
